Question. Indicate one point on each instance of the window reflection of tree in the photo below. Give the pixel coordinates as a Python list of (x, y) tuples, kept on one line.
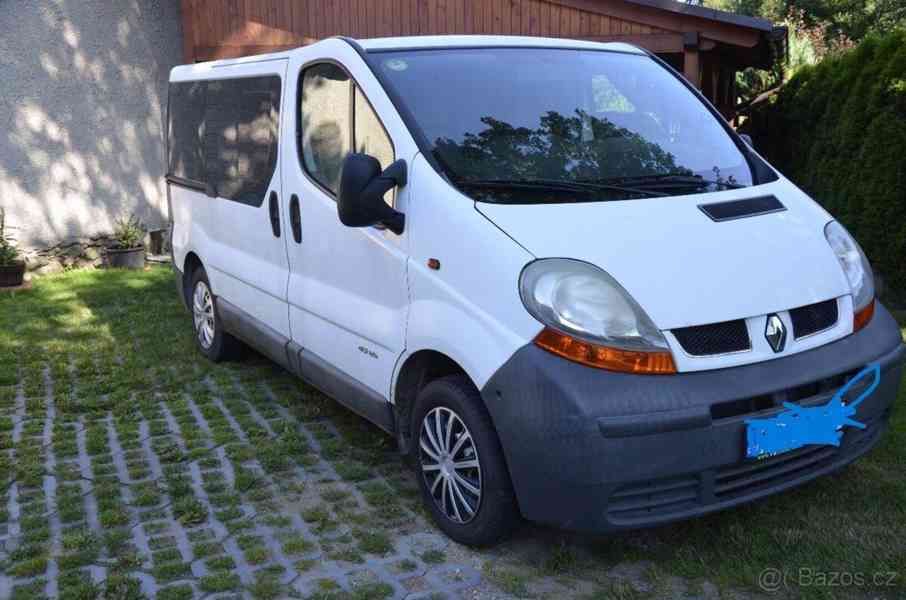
[(562, 147)]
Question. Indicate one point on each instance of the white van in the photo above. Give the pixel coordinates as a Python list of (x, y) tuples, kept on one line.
[(549, 268)]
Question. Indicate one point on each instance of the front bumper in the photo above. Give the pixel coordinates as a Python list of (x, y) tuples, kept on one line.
[(594, 450)]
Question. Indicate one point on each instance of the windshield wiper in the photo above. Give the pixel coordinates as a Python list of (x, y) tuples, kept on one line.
[(556, 185), (667, 180)]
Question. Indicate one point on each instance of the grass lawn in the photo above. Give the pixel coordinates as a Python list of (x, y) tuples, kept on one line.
[(900, 316), (120, 446)]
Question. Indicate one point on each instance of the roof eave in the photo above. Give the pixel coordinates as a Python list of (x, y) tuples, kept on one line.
[(707, 13)]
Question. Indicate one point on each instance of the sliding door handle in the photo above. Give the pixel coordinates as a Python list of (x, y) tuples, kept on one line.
[(274, 208), (295, 218)]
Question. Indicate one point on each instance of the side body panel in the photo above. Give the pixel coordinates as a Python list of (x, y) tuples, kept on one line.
[(190, 222), (245, 261), (469, 308)]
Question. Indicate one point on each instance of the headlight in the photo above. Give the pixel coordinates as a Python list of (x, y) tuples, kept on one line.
[(857, 270), (591, 318)]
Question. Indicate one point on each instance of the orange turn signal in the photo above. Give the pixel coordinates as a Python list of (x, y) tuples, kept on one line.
[(602, 357), (863, 316)]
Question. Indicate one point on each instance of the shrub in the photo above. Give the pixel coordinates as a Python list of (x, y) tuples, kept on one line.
[(838, 130), (9, 254), (128, 233)]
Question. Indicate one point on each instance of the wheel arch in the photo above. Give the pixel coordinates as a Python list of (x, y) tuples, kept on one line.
[(418, 370), (191, 264)]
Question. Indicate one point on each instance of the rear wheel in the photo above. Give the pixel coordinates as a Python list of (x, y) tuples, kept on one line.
[(210, 337), (460, 465)]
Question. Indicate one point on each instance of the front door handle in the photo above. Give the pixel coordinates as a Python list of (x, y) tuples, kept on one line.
[(275, 214), (295, 218)]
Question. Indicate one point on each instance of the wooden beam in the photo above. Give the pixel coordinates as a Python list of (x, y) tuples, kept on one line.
[(692, 66), (659, 43), (691, 61), (188, 31), (720, 31)]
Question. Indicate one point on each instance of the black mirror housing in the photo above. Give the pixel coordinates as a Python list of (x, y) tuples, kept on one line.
[(360, 202)]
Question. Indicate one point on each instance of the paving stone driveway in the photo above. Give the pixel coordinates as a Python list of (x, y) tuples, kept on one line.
[(222, 492), (132, 468)]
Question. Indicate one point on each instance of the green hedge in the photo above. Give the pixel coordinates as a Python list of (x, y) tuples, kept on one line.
[(838, 130)]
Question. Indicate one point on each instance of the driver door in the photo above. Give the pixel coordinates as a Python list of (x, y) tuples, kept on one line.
[(348, 295)]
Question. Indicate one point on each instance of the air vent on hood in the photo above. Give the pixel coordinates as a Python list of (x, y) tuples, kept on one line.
[(740, 209)]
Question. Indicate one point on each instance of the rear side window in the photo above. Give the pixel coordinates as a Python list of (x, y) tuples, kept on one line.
[(187, 105), (336, 119), (225, 132)]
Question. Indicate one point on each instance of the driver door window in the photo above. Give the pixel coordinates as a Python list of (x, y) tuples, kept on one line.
[(324, 123), (329, 100)]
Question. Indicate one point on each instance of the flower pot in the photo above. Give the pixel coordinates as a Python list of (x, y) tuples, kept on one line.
[(126, 258), (12, 275)]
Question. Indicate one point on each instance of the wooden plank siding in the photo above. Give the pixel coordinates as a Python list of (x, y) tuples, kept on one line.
[(708, 51), (228, 28)]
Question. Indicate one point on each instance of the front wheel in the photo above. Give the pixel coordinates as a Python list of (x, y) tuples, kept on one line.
[(460, 465), (215, 343)]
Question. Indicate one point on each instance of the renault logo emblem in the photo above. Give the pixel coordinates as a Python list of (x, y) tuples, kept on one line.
[(775, 333)]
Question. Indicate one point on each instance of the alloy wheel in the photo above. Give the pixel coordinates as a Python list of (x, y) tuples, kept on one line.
[(449, 464), (203, 314)]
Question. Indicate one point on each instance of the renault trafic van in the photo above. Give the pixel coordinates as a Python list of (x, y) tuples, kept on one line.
[(549, 268)]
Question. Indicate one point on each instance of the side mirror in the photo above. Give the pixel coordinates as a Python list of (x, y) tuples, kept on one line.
[(748, 140), (360, 202), (209, 190)]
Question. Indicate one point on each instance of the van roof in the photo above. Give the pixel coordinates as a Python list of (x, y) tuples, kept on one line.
[(421, 42), (466, 41)]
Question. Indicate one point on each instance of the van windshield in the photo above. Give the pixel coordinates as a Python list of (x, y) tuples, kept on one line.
[(520, 125)]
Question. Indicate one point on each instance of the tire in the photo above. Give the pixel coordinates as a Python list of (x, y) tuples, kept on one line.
[(449, 490), (210, 337)]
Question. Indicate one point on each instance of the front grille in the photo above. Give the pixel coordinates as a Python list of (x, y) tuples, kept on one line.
[(754, 476), (807, 392), (647, 501), (716, 338), (655, 498), (751, 476), (814, 318)]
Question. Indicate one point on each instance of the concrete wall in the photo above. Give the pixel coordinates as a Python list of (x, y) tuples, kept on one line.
[(83, 92)]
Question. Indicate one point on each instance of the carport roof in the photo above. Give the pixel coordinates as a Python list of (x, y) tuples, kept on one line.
[(707, 13)]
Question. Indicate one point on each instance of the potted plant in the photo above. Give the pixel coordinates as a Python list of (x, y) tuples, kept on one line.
[(12, 268), (128, 248)]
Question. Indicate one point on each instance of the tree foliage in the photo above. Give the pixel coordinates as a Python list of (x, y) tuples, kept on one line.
[(849, 19), (838, 129), (816, 29)]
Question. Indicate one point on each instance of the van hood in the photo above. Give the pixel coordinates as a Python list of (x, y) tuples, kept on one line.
[(682, 267)]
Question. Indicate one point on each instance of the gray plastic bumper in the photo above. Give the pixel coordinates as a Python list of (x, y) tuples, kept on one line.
[(596, 450)]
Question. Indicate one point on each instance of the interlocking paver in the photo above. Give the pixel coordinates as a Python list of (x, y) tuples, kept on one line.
[(258, 500)]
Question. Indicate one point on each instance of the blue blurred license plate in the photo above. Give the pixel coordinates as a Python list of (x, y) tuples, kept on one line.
[(798, 426)]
